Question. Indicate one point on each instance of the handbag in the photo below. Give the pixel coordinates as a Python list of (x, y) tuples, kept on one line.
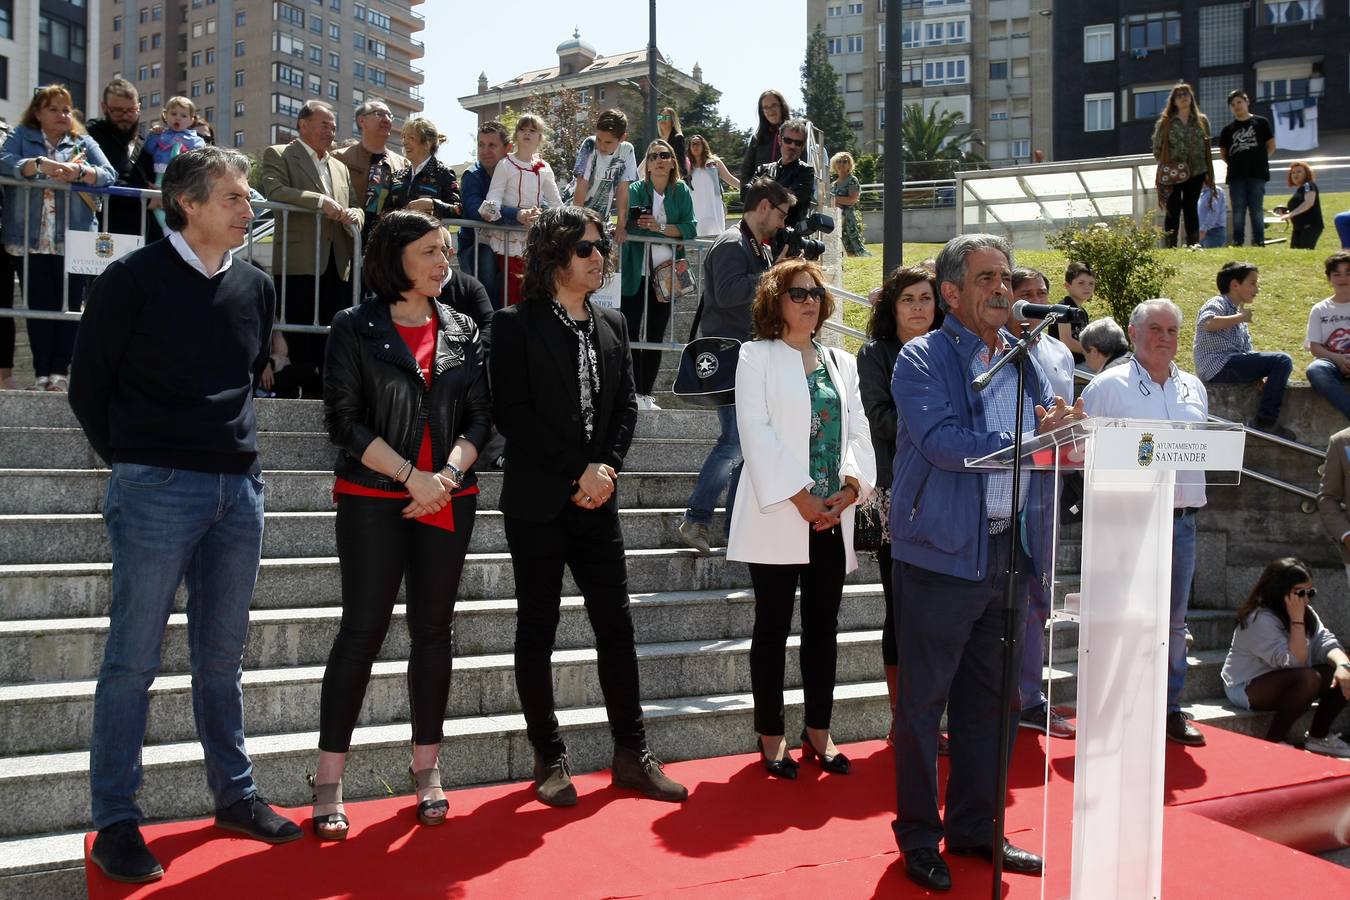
[(870, 522), (707, 375), (672, 281), (1170, 174)]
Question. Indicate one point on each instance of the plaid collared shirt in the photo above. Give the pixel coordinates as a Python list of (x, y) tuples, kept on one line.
[(1000, 414), (1213, 349)]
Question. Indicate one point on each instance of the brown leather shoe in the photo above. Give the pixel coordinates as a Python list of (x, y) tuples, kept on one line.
[(553, 781), (643, 772)]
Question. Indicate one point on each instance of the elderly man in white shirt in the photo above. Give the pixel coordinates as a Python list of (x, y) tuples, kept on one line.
[(1151, 386)]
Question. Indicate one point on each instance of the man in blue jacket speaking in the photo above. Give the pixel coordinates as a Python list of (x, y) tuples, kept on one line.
[(951, 539)]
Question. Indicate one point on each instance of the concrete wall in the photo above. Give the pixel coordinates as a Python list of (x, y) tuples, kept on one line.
[(928, 226)]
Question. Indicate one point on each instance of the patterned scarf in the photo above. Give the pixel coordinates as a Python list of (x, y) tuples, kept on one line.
[(588, 365)]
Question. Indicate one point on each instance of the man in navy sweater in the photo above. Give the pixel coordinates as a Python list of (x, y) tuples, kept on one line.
[(171, 341)]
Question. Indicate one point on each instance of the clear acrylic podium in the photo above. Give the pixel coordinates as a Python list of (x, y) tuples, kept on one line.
[(1130, 471)]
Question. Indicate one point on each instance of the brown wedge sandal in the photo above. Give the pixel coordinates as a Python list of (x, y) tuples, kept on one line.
[(331, 825), (422, 780)]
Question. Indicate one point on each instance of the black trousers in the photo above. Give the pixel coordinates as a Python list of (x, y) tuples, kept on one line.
[(6, 302), (1181, 206), (950, 633), (52, 341), (822, 585), (306, 350), (1305, 237), (646, 363), (378, 549), (590, 543)]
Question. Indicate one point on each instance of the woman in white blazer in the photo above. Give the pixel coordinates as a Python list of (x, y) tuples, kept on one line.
[(808, 460)]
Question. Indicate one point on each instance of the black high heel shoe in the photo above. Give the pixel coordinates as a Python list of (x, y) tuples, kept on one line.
[(778, 768), (838, 764)]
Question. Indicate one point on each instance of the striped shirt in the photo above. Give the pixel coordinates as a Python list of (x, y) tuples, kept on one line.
[(1213, 349)]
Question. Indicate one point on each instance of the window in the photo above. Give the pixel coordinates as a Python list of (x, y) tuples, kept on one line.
[(288, 75), (945, 71), (358, 41), (335, 4), (945, 31), (144, 14), (239, 19), (1289, 12), (154, 99), (855, 43), (1021, 148), (600, 94), (155, 40), (285, 12), (855, 9), (211, 25), (998, 71), (998, 112), (316, 54), (315, 84), (376, 48), (142, 43), (195, 90), (210, 85), (1149, 102), (334, 61), (1099, 112), (156, 12), (238, 108), (239, 78), (7, 22), (61, 38), (358, 97), (117, 23), (334, 32), (209, 114), (360, 12), (375, 76), (239, 50), (834, 46), (853, 83), (833, 12), (316, 24), (210, 55), (911, 34), (1099, 43), (197, 29), (287, 44), (286, 105), (377, 19), (333, 90), (117, 51), (1154, 31), (239, 139), (142, 73), (1221, 35), (1212, 91)]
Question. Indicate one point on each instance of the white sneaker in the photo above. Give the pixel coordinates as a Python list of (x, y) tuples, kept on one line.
[(643, 401), (1331, 745), (651, 403)]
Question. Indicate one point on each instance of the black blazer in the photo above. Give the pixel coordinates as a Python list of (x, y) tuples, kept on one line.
[(535, 399), (876, 363), (373, 388)]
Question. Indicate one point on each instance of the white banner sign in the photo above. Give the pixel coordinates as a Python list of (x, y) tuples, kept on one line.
[(610, 292), (89, 252), (1160, 449)]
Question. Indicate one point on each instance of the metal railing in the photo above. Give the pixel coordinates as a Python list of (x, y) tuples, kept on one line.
[(263, 232)]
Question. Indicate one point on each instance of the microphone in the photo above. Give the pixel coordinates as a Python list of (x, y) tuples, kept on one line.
[(1069, 314)]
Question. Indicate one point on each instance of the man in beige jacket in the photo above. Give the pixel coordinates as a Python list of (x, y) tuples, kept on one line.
[(370, 164)]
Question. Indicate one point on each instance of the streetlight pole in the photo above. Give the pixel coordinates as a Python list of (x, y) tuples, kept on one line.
[(893, 192), (651, 73)]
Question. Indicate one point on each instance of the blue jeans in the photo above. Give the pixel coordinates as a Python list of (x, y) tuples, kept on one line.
[(1183, 571), (1275, 368), (1215, 238), (1248, 195), (1342, 223), (484, 268), (721, 471), (166, 524), (1328, 381), (1031, 679)]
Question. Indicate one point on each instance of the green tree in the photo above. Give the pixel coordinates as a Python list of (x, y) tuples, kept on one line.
[(936, 143), (824, 102), (1124, 256), (699, 114), (570, 121)]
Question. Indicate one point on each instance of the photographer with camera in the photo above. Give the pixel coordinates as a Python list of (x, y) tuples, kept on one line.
[(731, 272), (792, 172)]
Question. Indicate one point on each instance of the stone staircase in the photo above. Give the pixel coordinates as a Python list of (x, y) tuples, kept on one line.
[(693, 619)]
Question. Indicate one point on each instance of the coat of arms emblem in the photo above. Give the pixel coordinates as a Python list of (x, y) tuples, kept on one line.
[(1145, 457), (103, 245)]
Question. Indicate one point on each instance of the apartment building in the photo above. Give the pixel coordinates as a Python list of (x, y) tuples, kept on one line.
[(249, 65), (42, 42), (615, 80), (1116, 61), (988, 60)]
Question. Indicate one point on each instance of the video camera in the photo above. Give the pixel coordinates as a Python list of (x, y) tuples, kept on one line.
[(796, 240)]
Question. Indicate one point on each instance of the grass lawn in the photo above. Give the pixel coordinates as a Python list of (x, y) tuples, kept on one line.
[(1291, 282)]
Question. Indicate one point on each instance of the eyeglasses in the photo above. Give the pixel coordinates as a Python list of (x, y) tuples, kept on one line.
[(794, 142), (783, 210), (1310, 593), (584, 248), (800, 294), (124, 110), (663, 118), (660, 154)]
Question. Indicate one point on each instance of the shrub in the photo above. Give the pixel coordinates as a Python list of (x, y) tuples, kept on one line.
[(1124, 255)]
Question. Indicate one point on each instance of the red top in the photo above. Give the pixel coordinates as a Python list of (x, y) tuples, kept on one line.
[(421, 341)]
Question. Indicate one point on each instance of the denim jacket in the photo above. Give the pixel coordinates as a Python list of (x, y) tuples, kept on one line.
[(25, 143), (938, 518)]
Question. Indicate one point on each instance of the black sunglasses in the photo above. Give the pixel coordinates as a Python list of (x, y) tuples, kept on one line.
[(1310, 593), (584, 248), (794, 142), (661, 154), (799, 294)]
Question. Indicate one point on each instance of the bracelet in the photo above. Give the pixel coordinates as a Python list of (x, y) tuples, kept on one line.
[(407, 464)]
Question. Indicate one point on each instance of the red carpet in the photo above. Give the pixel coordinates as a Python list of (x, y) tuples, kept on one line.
[(742, 834)]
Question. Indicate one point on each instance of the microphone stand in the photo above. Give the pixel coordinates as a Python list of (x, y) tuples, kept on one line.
[(1015, 356)]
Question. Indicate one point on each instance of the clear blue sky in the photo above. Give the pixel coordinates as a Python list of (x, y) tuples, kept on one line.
[(460, 43)]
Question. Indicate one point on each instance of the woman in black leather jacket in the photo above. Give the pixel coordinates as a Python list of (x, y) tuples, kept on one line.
[(426, 184), (406, 401), (905, 308)]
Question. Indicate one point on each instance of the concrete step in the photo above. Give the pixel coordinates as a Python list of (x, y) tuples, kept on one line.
[(45, 650), (70, 491), (41, 718), (44, 793), (72, 591), (30, 409), (66, 448), (29, 539)]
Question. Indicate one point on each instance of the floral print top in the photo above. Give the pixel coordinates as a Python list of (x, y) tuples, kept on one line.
[(826, 430)]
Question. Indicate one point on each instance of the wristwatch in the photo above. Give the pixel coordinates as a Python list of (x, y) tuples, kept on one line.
[(455, 474)]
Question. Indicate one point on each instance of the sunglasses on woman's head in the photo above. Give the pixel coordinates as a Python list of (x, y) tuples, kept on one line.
[(660, 154), (799, 294), (663, 118), (1310, 593), (584, 248)]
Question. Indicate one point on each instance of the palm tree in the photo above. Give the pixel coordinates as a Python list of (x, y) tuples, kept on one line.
[(936, 143)]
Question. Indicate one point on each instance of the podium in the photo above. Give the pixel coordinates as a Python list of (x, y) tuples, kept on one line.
[(1131, 468)]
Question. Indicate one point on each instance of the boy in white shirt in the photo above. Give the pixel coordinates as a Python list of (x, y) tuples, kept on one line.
[(606, 165), (1328, 337)]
